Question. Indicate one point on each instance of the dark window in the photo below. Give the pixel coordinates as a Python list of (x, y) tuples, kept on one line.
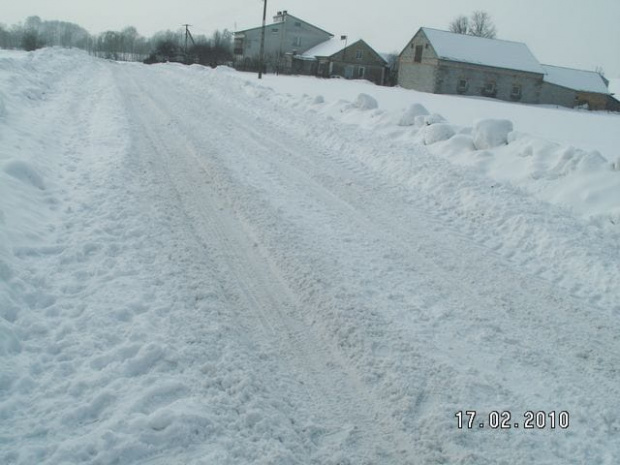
[(516, 92), (238, 47), (297, 24), (274, 30), (361, 72), (462, 86), (358, 54), (418, 54), (489, 89)]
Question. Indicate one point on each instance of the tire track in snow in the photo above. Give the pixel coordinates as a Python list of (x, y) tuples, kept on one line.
[(449, 269), (529, 305), (254, 284)]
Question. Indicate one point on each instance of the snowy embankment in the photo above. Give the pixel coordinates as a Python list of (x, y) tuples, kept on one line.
[(581, 187), (565, 157), (196, 268)]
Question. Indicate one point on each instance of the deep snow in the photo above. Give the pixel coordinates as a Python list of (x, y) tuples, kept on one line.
[(198, 267)]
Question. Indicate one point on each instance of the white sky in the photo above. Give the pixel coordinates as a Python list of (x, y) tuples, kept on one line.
[(575, 33)]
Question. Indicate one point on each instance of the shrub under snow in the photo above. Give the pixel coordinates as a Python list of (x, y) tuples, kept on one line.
[(438, 132), (409, 117), (490, 133), (366, 102)]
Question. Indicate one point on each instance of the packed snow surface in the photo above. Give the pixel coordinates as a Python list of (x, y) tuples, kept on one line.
[(197, 267)]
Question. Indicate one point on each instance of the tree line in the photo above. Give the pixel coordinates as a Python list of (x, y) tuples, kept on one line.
[(124, 45), (479, 24)]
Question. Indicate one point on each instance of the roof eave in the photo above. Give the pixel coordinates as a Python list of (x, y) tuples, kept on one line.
[(541, 72)]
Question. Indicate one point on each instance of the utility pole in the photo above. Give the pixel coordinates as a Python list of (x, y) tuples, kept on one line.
[(187, 35), (261, 56)]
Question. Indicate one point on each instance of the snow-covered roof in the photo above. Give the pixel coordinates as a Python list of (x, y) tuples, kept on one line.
[(481, 51), (576, 79), (279, 20), (329, 47)]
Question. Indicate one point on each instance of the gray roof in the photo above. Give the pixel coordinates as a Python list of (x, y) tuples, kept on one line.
[(335, 45), (295, 18), (481, 51), (329, 47), (576, 79)]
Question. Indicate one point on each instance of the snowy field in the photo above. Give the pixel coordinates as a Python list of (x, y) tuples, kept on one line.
[(197, 267)]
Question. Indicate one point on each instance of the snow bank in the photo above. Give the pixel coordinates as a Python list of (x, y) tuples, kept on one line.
[(497, 147), (365, 102), (433, 118), (491, 133), (437, 132), (413, 111)]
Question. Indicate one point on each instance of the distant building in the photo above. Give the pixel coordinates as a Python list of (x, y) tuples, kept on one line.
[(576, 88), (443, 62), (447, 63), (286, 35), (339, 57)]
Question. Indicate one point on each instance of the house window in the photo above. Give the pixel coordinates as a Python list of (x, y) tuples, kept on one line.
[(297, 41), (462, 86), (274, 30), (238, 46), (361, 72), (418, 54), (297, 24), (358, 54), (489, 89), (516, 92)]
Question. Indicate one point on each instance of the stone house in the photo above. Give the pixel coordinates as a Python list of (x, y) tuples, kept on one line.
[(443, 62), (447, 63), (575, 88), (287, 34), (337, 58)]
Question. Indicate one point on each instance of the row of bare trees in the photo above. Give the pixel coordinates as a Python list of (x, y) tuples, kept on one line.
[(479, 24), (125, 45), (35, 33)]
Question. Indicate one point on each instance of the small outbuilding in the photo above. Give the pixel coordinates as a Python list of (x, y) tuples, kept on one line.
[(339, 57), (570, 87)]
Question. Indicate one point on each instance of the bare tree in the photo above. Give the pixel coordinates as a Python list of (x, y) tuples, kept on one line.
[(5, 37), (478, 24), (31, 41), (31, 38), (460, 25)]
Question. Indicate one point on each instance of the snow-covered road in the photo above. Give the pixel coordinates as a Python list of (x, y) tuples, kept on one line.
[(217, 273)]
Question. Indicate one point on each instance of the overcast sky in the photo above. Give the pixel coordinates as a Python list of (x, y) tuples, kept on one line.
[(576, 33)]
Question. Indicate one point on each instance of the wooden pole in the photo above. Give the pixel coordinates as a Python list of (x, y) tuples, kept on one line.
[(261, 56)]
